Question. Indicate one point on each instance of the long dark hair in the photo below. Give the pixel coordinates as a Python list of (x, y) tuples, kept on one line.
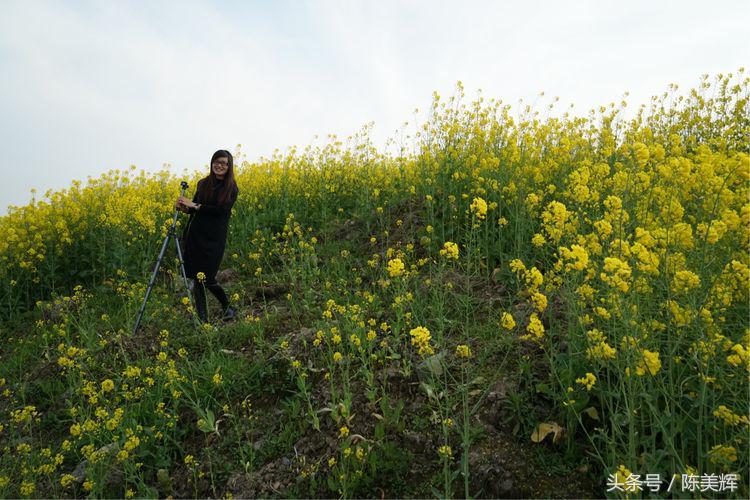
[(208, 184)]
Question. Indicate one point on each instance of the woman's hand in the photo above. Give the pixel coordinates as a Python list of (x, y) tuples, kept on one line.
[(184, 203), (181, 205)]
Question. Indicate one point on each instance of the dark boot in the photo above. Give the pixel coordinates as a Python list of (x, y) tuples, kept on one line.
[(229, 313)]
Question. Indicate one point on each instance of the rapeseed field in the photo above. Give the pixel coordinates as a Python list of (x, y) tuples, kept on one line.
[(512, 304)]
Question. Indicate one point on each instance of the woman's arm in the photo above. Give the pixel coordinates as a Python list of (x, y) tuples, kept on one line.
[(192, 210), (219, 210)]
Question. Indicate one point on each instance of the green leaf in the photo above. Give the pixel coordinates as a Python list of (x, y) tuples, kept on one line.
[(591, 412), (543, 389)]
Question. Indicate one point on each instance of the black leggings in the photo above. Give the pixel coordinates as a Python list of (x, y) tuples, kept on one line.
[(200, 296)]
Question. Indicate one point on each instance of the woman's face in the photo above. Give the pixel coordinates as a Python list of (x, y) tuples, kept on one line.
[(220, 167)]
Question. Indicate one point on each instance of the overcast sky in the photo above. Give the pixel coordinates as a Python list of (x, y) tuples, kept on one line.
[(89, 86)]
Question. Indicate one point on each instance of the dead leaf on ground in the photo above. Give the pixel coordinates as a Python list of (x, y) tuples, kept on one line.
[(546, 428)]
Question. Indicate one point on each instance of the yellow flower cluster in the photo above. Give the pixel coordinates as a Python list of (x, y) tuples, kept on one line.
[(587, 381), (729, 417), (535, 329), (507, 321), (463, 351), (395, 267), (598, 348), (622, 475), (722, 453), (420, 338), (449, 250), (539, 300), (533, 278), (555, 220), (538, 240), (649, 363), (576, 257), (517, 266), (616, 273), (740, 356), (479, 208), (684, 281)]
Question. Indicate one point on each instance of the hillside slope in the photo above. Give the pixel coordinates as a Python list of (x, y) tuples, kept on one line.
[(517, 307)]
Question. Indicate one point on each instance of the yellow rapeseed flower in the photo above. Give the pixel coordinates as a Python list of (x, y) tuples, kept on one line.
[(576, 257), (463, 351), (622, 475), (650, 363), (395, 267), (555, 219), (587, 381), (533, 278), (66, 480), (722, 453), (108, 385), (479, 208), (507, 321), (684, 281), (420, 337), (27, 488), (535, 328), (517, 266), (539, 300), (449, 250), (729, 417), (601, 351), (616, 273)]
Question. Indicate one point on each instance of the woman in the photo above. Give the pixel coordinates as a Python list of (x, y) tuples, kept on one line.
[(205, 235)]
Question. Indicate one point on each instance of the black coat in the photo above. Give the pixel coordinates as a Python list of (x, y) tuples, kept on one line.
[(205, 234)]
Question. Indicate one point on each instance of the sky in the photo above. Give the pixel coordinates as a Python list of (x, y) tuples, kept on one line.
[(92, 86)]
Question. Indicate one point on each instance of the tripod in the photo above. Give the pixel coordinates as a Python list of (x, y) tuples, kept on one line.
[(170, 234)]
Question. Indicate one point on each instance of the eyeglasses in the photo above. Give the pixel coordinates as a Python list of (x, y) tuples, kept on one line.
[(220, 164)]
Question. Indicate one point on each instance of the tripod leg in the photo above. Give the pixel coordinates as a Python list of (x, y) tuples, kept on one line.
[(182, 269), (151, 283)]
